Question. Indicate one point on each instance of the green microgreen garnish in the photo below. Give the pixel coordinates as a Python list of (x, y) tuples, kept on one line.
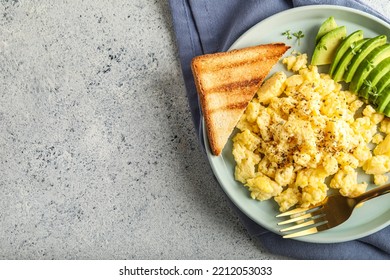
[(287, 33), (372, 90), (370, 64), (299, 35)]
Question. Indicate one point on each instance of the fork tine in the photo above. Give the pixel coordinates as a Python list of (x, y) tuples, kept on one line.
[(292, 212), (298, 211), (301, 233), (313, 215), (315, 221), (317, 228)]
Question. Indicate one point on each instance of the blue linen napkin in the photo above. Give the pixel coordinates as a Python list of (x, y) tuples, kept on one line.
[(207, 26)]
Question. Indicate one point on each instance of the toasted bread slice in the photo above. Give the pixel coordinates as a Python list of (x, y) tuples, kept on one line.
[(226, 82)]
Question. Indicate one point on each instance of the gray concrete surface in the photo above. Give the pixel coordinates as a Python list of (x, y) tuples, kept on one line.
[(98, 154)]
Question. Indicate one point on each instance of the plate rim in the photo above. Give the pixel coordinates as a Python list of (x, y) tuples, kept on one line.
[(212, 158), (312, 7)]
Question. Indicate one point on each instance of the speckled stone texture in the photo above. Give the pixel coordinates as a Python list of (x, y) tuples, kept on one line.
[(98, 154)]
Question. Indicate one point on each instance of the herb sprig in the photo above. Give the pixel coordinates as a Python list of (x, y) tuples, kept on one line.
[(298, 35), (372, 90), (287, 33)]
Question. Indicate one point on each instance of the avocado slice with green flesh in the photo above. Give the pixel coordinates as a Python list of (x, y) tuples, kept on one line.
[(363, 52), (325, 49), (328, 25), (384, 99), (387, 110), (380, 86), (343, 47), (342, 66), (370, 62), (369, 86)]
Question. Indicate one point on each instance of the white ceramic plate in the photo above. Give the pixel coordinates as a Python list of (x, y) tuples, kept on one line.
[(375, 214)]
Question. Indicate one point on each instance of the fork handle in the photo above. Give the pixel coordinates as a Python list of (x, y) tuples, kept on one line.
[(373, 193)]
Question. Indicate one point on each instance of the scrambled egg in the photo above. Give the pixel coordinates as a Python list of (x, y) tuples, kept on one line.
[(301, 130)]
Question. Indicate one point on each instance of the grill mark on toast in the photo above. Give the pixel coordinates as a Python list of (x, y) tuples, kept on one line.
[(239, 56), (235, 106), (236, 85), (244, 61)]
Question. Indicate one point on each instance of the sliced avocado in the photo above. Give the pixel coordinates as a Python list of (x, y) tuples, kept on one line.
[(325, 49), (344, 62), (379, 88), (328, 25), (363, 52), (369, 86), (387, 110), (383, 100), (370, 62), (343, 47)]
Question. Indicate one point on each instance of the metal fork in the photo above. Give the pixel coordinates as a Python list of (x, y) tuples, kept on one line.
[(333, 211)]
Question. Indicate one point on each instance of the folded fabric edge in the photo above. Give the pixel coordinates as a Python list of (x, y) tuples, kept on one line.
[(189, 46)]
